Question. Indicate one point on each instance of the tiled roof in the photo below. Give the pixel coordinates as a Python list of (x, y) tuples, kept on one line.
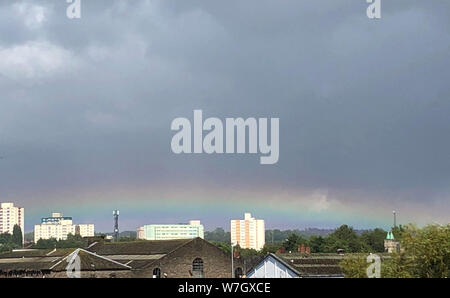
[(314, 264), (310, 265), (36, 259), (26, 266), (33, 253), (136, 264), (37, 263), (157, 247), (135, 261), (55, 261), (88, 262), (99, 256)]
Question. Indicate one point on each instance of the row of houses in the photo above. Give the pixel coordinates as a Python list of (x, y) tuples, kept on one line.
[(184, 258)]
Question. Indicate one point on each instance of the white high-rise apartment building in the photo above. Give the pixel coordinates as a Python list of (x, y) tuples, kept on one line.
[(248, 233), (10, 216), (140, 233), (170, 232), (58, 227)]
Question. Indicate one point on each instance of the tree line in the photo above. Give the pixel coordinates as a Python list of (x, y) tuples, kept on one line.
[(12, 241), (344, 238), (424, 253), (72, 241)]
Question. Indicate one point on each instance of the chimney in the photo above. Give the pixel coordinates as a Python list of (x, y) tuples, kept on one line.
[(301, 248), (281, 250)]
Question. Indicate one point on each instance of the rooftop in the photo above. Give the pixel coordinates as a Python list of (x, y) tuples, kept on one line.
[(56, 260), (152, 247)]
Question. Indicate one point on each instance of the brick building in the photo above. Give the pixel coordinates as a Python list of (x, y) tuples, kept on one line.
[(186, 258), (169, 258)]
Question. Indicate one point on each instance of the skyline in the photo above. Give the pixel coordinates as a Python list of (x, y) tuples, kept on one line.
[(173, 220), (363, 105)]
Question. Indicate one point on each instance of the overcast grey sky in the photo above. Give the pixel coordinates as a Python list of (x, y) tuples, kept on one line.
[(364, 106)]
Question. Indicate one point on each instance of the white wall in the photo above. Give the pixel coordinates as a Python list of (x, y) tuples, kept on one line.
[(271, 268)]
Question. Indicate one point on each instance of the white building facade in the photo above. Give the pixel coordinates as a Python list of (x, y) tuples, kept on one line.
[(59, 227), (171, 232), (10, 216), (248, 232), (273, 267), (140, 233)]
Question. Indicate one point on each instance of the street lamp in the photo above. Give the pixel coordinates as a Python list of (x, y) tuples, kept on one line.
[(232, 259)]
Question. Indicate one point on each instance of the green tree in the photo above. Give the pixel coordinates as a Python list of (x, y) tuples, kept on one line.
[(398, 232), (354, 266), (293, 241), (6, 242), (345, 238), (274, 236), (218, 235), (271, 247), (398, 266), (72, 241), (429, 250), (9, 242), (226, 247), (17, 237), (317, 244), (46, 243), (5, 238), (425, 253), (373, 241)]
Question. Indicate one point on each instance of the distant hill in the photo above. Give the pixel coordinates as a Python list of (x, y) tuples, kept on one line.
[(276, 235), (308, 232), (218, 235)]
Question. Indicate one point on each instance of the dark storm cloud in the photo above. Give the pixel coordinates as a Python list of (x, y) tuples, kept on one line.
[(362, 104)]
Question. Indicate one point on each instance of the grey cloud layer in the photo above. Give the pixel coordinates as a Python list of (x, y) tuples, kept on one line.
[(362, 105)]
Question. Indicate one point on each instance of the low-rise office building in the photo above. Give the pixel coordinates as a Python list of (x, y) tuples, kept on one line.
[(59, 227), (171, 232)]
